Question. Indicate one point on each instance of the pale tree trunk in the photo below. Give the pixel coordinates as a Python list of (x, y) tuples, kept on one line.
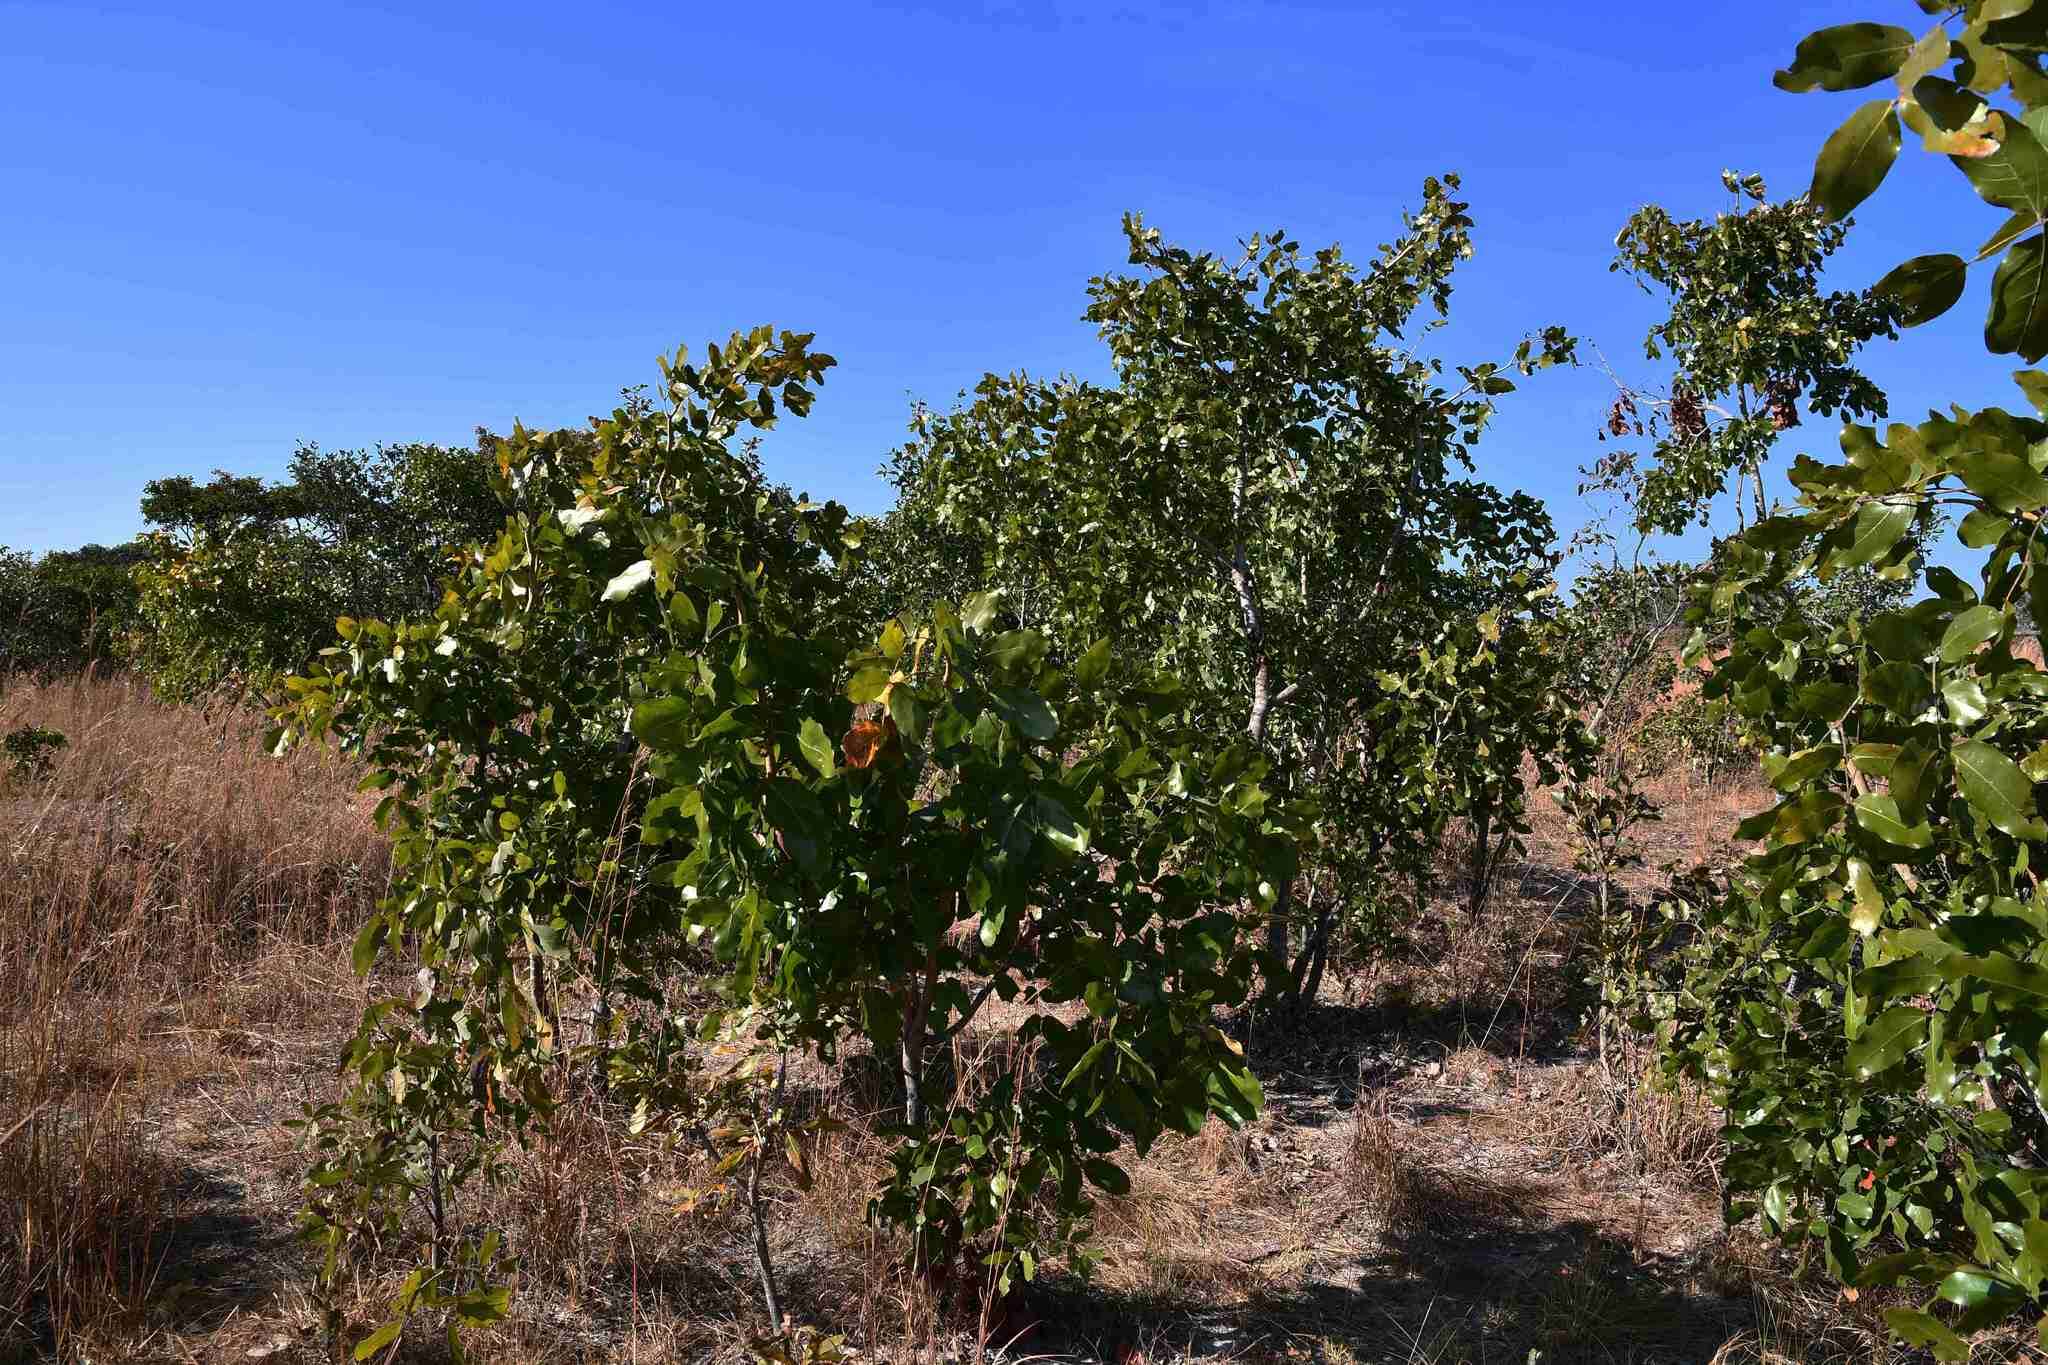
[(910, 1046)]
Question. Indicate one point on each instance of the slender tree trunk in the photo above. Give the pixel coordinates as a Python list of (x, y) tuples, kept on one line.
[(910, 1045), (764, 1261)]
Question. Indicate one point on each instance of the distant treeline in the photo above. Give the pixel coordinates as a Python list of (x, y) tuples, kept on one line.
[(239, 579)]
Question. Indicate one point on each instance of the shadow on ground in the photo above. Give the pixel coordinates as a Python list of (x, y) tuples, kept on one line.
[(1468, 1284)]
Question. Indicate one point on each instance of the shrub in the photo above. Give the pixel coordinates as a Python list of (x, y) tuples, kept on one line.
[(639, 723), (31, 750)]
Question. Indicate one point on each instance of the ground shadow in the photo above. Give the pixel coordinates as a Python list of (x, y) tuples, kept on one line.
[(1458, 1282)]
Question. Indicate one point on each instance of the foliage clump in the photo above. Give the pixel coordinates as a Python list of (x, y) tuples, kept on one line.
[(641, 728)]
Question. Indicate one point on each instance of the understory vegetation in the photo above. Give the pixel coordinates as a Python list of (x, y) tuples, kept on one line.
[(1206, 874)]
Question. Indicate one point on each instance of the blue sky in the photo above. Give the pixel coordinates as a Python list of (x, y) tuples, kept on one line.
[(229, 228)]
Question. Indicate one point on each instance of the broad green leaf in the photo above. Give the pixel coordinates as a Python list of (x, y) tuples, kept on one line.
[(1028, 712), (1855, 159), (890, 646), (2014, 228), (480, 1307), (1886, 1040), (2015, 175), (1899, 687), (1972, 1288), (384, 1335), (978, 612), (1925, 287), (1998, 969), (2003, 479), (1796, 771), (1866, 910), (1846, 57), (2018, 323), (1965, 699), (1997, 790), (1018, 649), (1929, 55), (868, 683), (1969, 630), (2034, 384), (664, 722), (1093, 665), (1879, 814), (1107, 1176), (1925, 1330), (1878, 527), (363, 955), (817, 747)]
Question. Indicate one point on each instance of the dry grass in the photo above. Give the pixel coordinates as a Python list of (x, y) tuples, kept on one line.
[(1445, 1173), (156, 890)]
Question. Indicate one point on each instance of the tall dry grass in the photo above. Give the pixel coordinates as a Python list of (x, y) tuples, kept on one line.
[(160, 881)]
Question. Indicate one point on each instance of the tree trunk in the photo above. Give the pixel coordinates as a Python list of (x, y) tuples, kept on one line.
[(910, 1045), (764, 1261)]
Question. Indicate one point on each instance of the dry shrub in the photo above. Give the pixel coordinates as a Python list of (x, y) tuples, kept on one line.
[(155, 884)]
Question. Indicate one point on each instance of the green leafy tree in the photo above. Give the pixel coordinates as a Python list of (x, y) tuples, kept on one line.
[(1866, 997), (1273, 500), (246, 577), (1751, 337), (66, 609), (641, 729)]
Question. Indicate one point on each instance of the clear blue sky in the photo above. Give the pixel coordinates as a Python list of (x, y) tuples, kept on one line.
[(228, 228)]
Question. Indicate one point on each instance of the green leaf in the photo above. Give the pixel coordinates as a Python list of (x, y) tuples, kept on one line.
[(1867, 910), (2003, 479), (1965, 699), (1981, 529), (664, 722), (907, 709), (1846, 57), (634, 577), (1088, 1060), (2014, 228), (2018, 323), (2034, 384), (1856, 158), (1879, 814), (1997, 790), (1027, 712), (383, 1336), (818, 749), (1925, 287), (890, 645), (1091, 667), (1997, 969), (1926, 1330), (978, 612), (1969, 630), (483, 1306), (2015, 175), (1796, 771), (1899, 687), (1878, 527), (868, 683), (363, 955), (1968, 1288), (1018, 649), (1886, 1040)]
